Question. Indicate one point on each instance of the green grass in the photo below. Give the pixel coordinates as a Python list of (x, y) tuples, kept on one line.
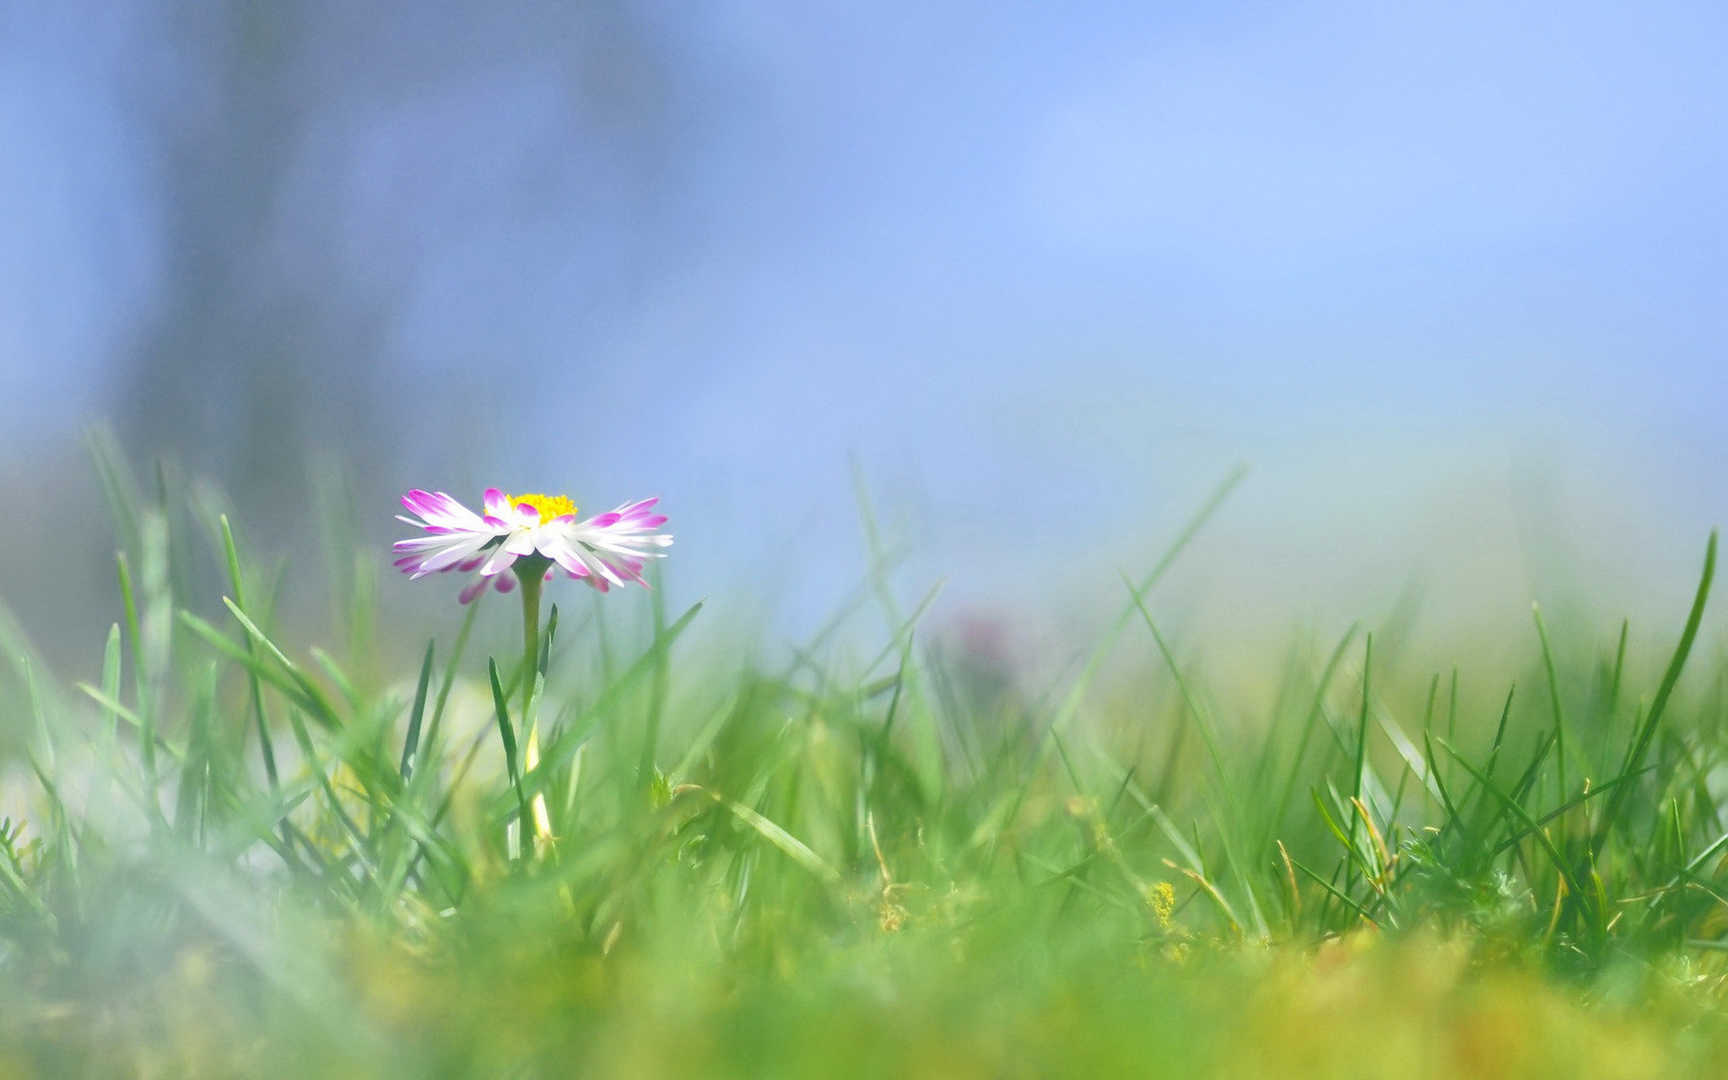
[(234, 853)]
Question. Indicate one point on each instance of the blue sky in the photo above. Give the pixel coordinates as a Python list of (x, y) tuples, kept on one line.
[(1045, 272)]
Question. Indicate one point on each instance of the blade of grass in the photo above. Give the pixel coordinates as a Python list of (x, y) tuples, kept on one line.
[(659, 683), (507, 735), (435, 728), (213, 637), (1309, 721), (265, 747), (793, 847), (563, 744), (1553, 697), (1619, 667), (1100, 652), (411, 742), (322, 710), (1208, 732), (1647, 730), (1516, 809), (1334, 893)]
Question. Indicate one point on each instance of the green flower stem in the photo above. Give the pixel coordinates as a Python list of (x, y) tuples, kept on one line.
[(531, 573)]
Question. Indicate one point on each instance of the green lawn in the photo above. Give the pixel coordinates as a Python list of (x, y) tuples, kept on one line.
[(230, 852)]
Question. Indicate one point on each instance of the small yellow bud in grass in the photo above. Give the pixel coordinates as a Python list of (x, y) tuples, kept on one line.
[(1161, 898)]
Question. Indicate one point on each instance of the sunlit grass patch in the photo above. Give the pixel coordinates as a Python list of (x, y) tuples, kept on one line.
[(227, 852)]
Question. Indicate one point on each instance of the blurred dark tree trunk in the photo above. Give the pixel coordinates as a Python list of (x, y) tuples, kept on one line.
[(264, 343), (240, 369)]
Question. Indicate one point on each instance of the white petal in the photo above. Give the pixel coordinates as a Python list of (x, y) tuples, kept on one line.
[(455, 553), (500, 559)]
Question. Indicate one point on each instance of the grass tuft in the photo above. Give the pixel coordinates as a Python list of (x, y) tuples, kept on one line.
[(623, 856)]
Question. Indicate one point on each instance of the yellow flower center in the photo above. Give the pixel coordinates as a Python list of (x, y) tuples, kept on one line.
[(548, 506)]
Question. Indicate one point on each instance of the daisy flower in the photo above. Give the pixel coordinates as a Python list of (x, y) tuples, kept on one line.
[(532, 535)]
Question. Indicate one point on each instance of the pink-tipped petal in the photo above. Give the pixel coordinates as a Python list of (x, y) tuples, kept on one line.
[(497, 506), (617, 575), (438, 508), (564, 557), (469, 592), (503, 582)]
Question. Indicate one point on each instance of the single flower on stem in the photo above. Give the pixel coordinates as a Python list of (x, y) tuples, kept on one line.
[(607, 549), (532, 536)]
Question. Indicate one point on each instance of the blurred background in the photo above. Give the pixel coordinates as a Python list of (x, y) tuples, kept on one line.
[(1450, 279)]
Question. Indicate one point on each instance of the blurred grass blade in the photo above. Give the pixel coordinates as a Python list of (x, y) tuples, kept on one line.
[(266, 748), (774, 834), (434, 729), (507, 735), (411, 742), (321, 709), (287, 686), (1553, 697), (1647, 729), (1513, 807)]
